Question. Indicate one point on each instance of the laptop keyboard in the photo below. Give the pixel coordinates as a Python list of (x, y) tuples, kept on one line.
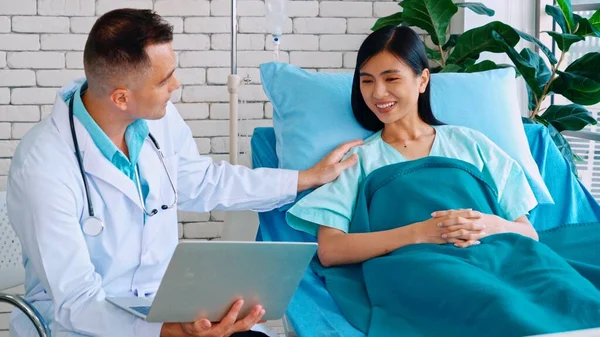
[(142, 310)]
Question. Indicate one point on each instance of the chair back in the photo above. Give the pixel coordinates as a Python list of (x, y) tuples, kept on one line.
[(11, 266)]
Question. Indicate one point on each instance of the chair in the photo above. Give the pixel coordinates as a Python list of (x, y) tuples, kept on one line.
[(12, 271)]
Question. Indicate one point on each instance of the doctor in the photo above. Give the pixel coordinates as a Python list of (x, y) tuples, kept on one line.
[(93, 190)]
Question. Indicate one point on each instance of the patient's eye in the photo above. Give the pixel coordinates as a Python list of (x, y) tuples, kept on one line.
[(393, 79), (367, 81)]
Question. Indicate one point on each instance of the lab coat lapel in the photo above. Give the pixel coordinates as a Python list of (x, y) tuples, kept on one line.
[(150, 170), (101, 168), (94, 161)]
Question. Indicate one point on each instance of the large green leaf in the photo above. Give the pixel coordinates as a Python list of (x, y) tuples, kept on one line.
[(575, 81), (571, 117), (595, 19), (433, 54), (580, 82), (451, 42), (558, 17), (531, 66), (549, 54), (477, 7), (585, 27), (585, 98), (391, 20), (483, 66), (588, 65), (564, 41), (477, 40), (433, 16), (567, 11), (542, 73)]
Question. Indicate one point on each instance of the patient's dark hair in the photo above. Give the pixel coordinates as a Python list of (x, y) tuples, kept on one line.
[(115, 48), (406, 45)]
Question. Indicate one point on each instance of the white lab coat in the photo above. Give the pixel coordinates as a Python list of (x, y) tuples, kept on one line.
[(68, 274)]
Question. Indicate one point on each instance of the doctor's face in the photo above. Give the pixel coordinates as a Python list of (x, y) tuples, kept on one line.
[(151, 95)]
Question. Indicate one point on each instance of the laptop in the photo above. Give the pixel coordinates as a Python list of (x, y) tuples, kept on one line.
[(204, 279)]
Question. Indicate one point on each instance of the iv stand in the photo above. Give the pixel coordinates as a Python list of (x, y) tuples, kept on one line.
[(233, 85)]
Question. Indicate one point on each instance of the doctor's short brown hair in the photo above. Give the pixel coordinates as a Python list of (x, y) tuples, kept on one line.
[(115, 54)]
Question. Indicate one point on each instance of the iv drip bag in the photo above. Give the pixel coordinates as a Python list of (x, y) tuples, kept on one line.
[(276, 16)]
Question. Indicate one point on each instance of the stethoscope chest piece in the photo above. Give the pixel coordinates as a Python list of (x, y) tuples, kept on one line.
[(93, 226)]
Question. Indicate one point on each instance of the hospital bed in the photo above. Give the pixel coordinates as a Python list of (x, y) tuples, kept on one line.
[(570, 227)]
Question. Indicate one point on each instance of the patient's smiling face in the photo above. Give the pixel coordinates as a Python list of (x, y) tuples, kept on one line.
[(391, 88)]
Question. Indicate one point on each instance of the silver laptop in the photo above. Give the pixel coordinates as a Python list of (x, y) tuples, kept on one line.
[(205, 278)]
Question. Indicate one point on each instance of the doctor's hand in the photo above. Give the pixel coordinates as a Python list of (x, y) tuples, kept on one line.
[(204, 328), (329, 167)]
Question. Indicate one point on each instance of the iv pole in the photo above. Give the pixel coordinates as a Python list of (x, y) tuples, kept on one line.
[(233, 84)]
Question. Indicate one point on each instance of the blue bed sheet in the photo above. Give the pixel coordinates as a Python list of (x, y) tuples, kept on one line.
[(312, 311)]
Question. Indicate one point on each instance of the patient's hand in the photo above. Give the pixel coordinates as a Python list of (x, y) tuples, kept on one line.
[(464, 224), (430, 231), (228, 326), (329, 168), (467, 225)]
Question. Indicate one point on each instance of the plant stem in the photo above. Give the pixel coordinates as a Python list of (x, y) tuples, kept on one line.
[(547, 86), (442, 55)]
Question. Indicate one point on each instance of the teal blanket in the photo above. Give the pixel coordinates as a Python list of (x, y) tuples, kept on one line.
[(509, 285)]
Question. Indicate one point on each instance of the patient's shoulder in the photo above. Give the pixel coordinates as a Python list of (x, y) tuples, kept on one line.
[(369, 145)]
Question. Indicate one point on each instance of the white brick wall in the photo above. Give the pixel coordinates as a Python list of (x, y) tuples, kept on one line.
[(4, 24), (41, 44)]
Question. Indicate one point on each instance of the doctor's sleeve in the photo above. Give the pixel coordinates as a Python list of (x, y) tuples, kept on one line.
[(330, 205), (204, 185), (515, 195), (43, 212)]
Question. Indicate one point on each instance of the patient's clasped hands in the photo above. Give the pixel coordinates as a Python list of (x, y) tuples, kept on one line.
[(463, 227)]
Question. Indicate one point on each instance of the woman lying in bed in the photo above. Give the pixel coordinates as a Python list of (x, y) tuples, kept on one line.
[(510, 284), (390, 95)]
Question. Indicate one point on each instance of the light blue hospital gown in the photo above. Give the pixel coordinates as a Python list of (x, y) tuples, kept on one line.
[(333, 204)]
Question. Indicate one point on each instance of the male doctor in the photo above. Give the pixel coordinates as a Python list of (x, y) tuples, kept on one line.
[(94, 202)]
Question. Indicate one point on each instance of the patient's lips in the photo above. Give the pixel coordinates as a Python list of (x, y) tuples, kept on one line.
[(385, 107)]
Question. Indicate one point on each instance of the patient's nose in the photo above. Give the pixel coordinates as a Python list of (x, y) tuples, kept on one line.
[(380, 91)]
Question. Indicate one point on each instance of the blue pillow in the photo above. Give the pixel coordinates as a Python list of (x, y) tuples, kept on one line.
[(312, 113)]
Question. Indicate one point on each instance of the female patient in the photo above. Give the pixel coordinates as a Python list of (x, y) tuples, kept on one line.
[(409, 280), (390, 95)]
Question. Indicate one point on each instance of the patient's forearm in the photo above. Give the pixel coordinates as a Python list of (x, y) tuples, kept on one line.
[(337, 247), (521, 226)]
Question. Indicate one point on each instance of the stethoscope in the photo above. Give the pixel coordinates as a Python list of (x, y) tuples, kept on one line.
[(93, 225)]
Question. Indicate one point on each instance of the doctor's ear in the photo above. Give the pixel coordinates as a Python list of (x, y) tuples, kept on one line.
[(120, 98)]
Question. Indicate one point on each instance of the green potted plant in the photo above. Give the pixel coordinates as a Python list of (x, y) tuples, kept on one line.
[(579, 81)]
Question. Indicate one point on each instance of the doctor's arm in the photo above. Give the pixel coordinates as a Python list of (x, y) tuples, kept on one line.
[(43, 211), (329, 168), (204, 185)]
